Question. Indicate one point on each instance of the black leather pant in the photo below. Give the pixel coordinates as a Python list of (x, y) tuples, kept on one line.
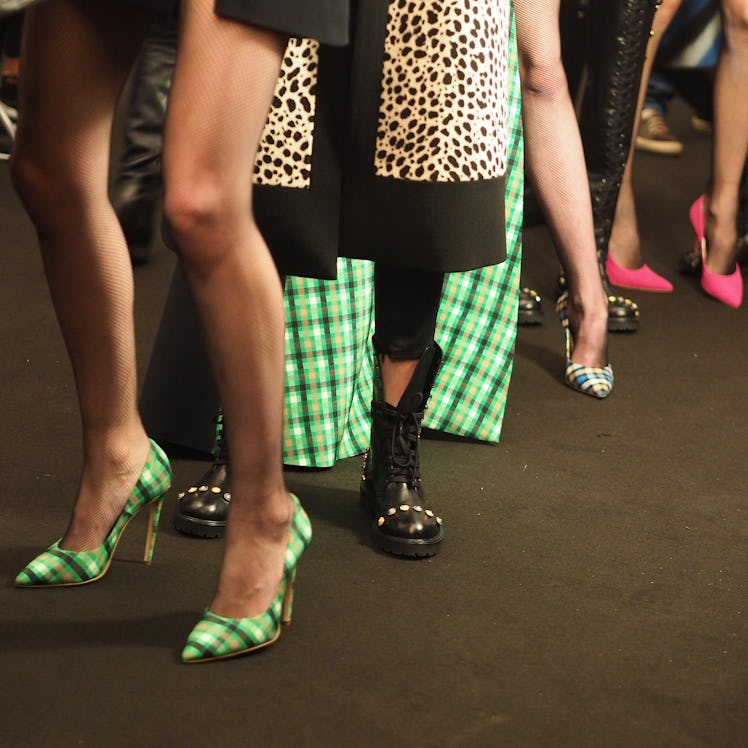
[(406, 308), (136, 188), (604, 44)]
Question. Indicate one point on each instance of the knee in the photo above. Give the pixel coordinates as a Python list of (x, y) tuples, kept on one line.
[(42, 185), (196, 213), (543, 78), (189, 210)]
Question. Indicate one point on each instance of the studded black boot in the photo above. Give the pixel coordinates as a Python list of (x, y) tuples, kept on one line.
[(391, 486), (202, 510)]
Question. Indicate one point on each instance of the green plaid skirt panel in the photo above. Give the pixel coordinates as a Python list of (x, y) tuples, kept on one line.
[(329, 362), (329, 324)]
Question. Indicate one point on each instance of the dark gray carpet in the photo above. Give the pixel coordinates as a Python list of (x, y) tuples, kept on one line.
[(591, 591)]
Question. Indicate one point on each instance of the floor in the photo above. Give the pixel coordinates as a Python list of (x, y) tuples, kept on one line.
[(591, 590)]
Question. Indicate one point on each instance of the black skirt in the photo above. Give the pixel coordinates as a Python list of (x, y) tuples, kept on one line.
[(326, 20), (393, 149)]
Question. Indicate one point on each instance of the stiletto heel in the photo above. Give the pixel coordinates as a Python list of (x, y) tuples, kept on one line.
[(288, 600), (154, 515), (596, 381), (725, 288), (59, 567), (218, 638)]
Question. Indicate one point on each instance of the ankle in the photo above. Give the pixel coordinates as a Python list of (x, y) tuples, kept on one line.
[(268, 516), (115, 454)]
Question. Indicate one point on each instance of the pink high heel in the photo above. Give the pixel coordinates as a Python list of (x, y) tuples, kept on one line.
[(640, 279), (725, 288)]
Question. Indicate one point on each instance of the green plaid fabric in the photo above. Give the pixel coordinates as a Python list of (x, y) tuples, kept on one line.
[(329, 366), (216, 637), (58, 567)]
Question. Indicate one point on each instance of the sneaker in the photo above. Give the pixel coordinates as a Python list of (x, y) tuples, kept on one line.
[(654, 136), (701, 125)]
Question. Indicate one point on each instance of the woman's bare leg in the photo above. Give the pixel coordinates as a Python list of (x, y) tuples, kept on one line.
[(221, 92), (730, 144), (60, 167), (625, 242), (556, 167)]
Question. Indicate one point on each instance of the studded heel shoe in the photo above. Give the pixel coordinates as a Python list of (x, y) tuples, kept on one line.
[(202, 509), (59, 567), (529, 307), (623, 313), (391, 485), (218, 638)]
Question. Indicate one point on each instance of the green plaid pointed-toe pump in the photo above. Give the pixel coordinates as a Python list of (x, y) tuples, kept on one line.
[(58, 567), (218, 638)]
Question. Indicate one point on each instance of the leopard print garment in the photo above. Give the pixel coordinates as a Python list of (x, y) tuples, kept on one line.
[(443, 114), (284, 158)]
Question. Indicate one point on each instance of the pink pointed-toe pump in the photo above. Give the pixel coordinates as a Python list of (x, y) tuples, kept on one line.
[(639, 279), (725, 288)]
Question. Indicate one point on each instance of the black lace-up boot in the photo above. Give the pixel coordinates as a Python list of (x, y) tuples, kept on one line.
[(391, 486), (202, 510)]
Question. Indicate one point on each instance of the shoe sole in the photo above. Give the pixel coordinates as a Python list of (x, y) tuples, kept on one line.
[(623, 325), (198, 528), (396, 546), (408, 548), (661, 148), (529, 319)]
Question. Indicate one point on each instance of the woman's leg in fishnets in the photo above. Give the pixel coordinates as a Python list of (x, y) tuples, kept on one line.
[(76, 56), (221, 92), (730, 144), (556, 168)]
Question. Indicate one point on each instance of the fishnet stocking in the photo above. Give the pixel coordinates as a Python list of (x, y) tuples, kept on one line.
[(76, 56), (556, 168), (221, 92)]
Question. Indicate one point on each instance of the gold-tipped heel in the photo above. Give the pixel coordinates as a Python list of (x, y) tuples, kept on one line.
[(288, 599), (154, 515)]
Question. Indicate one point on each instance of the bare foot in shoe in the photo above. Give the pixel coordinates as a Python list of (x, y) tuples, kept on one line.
[(722, 240), (589, 327), (624, 245), (254, 558), (107, 480)]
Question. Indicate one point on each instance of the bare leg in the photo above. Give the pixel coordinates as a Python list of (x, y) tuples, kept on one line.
[(222, 89), (730, 138), (60, 168), (625, 243), (556, 167)]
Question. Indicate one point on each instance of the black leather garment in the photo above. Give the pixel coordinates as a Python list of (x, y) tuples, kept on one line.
[(612, 37), (136, 190)]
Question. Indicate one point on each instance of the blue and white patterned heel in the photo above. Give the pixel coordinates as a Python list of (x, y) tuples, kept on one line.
[(596, 381)]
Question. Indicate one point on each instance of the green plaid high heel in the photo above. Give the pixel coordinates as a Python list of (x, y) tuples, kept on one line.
[(58, 567), (217, 638)]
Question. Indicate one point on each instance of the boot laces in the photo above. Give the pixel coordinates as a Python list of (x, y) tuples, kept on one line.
[(404, 444)]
